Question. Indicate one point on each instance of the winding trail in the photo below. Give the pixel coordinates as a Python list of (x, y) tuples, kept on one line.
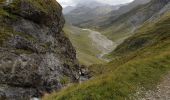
[(162, 92), (102, 43)]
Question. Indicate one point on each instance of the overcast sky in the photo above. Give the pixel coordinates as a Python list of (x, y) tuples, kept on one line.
[(65, 3)]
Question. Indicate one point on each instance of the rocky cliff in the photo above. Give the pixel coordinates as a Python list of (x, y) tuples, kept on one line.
[(35, 55)]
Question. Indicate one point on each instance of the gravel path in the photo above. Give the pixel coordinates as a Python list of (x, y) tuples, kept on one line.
[(162, 92)]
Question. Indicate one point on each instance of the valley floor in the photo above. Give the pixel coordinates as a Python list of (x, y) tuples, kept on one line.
[(102, 43), (91, 46)]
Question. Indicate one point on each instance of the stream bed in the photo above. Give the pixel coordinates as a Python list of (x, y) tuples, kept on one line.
[(102, 43)]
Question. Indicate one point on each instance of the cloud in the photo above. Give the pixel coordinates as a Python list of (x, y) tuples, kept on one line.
[(74, 2)]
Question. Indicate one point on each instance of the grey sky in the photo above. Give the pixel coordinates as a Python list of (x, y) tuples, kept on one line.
[(65, 3)]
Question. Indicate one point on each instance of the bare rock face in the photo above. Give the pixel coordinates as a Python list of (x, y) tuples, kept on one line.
[(35, 55)]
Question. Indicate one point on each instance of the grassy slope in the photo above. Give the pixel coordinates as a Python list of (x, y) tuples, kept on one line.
[(86, 52), (141, 67)]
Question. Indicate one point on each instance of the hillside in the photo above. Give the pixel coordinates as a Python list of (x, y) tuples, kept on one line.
[(126, 24), (133, 73), (68, 9), (35, 55), (140, 66)]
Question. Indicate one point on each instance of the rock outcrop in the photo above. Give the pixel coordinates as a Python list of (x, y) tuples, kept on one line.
[(35, 55)]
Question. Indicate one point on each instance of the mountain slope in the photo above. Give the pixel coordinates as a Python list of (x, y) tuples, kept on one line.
[(154, 18), (131, 73), (68, 9), (125, 25), (35, 56)]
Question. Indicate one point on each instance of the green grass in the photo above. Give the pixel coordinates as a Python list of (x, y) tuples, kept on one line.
[(121, 83), (49, 6), (142, 66), (86, 52)]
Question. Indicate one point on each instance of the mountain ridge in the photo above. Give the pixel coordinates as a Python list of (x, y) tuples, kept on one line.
[(83, 12), (124, 8)]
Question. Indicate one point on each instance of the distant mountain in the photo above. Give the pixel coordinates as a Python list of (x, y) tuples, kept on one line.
[(68, 9), (89, 3), (107, 18), (84, 11), (127, 7), (120, 26), (127, 23)]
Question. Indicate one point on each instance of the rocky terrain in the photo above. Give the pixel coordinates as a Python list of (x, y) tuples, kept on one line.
[(35, 56)]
